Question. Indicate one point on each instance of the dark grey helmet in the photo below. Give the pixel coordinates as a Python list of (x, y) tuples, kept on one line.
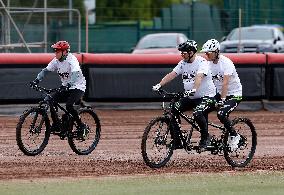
[(189, 45)]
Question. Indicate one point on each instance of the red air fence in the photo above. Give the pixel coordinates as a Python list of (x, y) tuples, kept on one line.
[(130, 77)]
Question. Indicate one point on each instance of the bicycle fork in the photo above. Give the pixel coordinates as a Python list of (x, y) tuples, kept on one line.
[(33, 127)]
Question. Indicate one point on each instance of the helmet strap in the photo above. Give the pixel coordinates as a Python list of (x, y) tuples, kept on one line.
[(63, 57), (215, 61), (190, 56)]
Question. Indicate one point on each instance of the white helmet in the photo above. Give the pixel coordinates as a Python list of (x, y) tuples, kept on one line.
[(211, 45)]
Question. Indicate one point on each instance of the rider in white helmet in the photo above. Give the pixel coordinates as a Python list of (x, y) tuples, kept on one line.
[(198, 85), (227, 82)]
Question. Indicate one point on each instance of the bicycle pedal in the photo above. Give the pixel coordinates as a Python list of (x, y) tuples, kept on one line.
[(62, 135), (55, 133), (195, 147), (199, 150), (210, 147)]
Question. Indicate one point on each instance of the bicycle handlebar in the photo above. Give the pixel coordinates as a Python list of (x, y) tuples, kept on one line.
[(45, 90), (171, 94)]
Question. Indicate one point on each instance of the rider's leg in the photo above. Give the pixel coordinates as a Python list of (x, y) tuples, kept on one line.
[(223, 113), (75, 95), (57, 97), (200, 114), (182, 105), (82, 103)]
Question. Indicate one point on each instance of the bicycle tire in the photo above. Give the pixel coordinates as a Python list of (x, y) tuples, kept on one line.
[(88, 144), (247, 145), (35, 133), (160, 141)]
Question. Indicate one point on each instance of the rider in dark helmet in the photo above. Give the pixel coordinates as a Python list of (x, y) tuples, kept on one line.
[(189, 45), (198, 86)]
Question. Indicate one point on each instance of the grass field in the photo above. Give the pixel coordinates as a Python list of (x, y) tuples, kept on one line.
[(196, 183)]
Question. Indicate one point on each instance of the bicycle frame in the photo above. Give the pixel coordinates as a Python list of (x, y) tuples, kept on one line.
[(54, 110), (33, 138), (49, 103), (171, 113), (222, 128), (157, 148)]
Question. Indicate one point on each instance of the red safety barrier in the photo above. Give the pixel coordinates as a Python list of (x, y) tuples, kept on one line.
[(130, 59), (27, 58), (256, 84), (275, 58), (247, 58)]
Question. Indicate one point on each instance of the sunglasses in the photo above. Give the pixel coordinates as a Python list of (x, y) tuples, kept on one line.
[(209, 52)]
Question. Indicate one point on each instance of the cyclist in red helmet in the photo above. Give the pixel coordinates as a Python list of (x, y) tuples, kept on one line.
[(68, 68)]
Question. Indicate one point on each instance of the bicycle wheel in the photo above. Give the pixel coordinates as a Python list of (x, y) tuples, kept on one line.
[(32, 132), (156, 143), (84, 145), (247, 144)]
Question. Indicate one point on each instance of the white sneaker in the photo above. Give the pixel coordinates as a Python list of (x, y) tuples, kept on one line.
[(233, 142)]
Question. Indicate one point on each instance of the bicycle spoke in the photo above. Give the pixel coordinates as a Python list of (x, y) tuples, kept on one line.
[(85, 142), (31, 132), (155, 143), (246, 146)]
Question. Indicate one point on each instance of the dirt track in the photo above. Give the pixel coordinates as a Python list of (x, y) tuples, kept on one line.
[(118, 152)]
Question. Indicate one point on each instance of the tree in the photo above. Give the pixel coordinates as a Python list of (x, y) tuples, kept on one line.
[(119, 10)]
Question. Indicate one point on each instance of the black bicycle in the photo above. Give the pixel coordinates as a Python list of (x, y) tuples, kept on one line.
[(158, 138), (34, 127)]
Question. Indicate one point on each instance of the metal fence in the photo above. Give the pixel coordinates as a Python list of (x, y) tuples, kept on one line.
[(35, 29)]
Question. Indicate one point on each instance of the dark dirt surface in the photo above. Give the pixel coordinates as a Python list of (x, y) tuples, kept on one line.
[(119, 153)]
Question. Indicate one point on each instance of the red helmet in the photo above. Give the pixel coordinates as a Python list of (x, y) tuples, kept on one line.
[(61, 45)]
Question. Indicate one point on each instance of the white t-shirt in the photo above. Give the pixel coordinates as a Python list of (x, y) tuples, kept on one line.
[(64, 69), (190, 70), (226, 67)]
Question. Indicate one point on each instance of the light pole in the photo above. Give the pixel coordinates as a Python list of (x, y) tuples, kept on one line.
[(70, 12)]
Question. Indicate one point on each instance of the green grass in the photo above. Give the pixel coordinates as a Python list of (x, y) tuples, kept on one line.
[(204, 183)]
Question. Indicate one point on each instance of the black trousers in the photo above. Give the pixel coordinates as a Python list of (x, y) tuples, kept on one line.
[(201, 107), (70, 97), (230, 104)]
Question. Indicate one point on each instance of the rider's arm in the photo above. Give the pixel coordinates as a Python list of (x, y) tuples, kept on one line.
[(75, 70), (225, 86), (198, 80), (50, 67), (74, 77), (42, 74), (168, 78)]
